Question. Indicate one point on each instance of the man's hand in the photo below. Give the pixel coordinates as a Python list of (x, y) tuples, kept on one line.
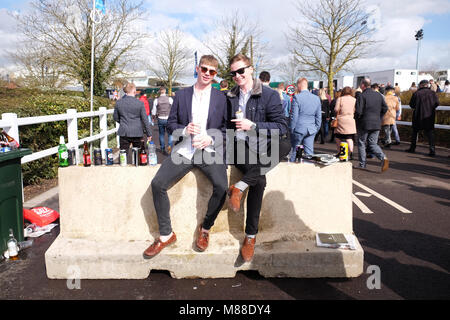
[(193, 128), (399, 118), (243, 124), (201, 142)]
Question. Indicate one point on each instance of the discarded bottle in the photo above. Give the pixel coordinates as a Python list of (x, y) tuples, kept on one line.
[(98, 161), (153, 160), (143, 157), (86, 155), (63, 154), (25, 244), (299, 153), (13, 247)]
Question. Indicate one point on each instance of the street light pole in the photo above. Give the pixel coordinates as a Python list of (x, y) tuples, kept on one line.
[(419, 36)]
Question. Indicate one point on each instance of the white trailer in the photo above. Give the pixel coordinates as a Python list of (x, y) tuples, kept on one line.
[(404, 77), (342, 82)]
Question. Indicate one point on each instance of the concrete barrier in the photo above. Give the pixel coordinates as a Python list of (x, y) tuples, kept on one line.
[(108, 219)]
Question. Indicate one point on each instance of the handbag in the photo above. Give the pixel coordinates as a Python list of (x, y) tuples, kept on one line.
[(334, 123)]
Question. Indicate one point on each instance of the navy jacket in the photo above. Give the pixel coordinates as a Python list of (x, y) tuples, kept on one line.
[(370, 109), (181, 112), (131, 115), (263, 108)]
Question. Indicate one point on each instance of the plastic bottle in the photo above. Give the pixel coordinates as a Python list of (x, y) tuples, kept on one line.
[(63, 154), (153, 160)]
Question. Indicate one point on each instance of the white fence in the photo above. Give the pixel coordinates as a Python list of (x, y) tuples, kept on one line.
[(11, 123)]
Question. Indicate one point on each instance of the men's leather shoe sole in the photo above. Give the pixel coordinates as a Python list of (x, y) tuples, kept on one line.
[(234, 198), (157, 246), (384, 164)]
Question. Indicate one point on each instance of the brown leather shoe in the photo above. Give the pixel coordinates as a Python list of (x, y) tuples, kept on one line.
[(169, 150), (157, 246), (384, 164), (248, 249), (202, 239), (234, 198)]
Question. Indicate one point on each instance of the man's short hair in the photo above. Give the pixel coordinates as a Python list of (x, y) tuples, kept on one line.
[(423, 83), (224, 84), (264, 76), (375, 86), (366, 83), (209, 60), (299, 81), (389, 88), (129, 87), (162, 89), (240, 57)]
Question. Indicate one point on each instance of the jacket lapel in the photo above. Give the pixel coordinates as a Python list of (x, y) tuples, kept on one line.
[(212, 101), (189, 96)]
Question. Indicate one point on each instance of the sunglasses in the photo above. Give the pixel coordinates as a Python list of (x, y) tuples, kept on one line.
[(212, 72), (240, 71)]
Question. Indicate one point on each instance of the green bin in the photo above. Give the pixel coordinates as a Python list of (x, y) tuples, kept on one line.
[(11, 202)]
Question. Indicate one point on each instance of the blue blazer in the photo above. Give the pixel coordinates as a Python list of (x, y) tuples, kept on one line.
[(181, 112), (306, 117)]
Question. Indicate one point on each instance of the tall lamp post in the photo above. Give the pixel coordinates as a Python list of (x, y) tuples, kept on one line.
[(419, 36)]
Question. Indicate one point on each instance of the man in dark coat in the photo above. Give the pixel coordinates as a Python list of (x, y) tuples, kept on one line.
[(256, 114), (133, 120), (370, 109), (424, 103)]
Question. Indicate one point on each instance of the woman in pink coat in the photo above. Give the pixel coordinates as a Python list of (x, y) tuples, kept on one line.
[(344, 110)]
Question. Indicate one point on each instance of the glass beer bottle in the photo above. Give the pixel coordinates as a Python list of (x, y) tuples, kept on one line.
[(86, 155)]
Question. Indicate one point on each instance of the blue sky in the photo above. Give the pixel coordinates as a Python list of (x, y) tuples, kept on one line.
[(398, 21)]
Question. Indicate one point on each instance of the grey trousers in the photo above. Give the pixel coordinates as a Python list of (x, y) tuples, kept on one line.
[(369, 138), (170, 173)]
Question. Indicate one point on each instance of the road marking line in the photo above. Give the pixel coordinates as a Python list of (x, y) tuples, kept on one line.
[(363, 194), (388, 201), (360, 205)]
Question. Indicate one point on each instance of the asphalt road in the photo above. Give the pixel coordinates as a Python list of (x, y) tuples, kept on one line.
[(402, 221)]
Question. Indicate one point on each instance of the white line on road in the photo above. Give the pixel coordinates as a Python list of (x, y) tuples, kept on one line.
[(360, 205), (388, 201)]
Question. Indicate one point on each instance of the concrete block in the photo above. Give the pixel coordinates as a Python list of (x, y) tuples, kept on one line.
[(108, 219)]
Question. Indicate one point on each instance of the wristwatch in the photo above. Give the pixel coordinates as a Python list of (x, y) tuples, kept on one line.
[(253, 126)]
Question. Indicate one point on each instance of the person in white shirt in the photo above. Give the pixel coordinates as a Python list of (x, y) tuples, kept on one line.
[(199, 114)]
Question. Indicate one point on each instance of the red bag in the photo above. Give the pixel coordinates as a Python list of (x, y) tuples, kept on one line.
[(41, 216)]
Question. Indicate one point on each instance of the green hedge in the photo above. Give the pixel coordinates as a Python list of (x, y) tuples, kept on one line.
[(32, 103)]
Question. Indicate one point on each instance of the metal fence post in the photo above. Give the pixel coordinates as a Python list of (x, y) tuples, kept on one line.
[(103, 128), (117, 135), (13, 129), (72, 132)]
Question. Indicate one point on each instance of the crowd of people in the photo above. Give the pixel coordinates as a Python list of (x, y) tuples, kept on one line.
[(200, 118)]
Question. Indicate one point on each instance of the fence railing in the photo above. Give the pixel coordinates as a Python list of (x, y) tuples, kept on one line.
[(437, 126), (11, 123)]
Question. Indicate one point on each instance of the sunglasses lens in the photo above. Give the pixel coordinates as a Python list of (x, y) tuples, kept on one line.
[(240, 71), (211, 71)]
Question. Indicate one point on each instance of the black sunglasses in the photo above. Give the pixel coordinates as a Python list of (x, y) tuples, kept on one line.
[(240, 71), (212, 72)]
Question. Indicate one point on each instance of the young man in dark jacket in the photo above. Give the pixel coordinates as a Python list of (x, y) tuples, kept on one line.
[(256, 114), (370, 109), (424, 103)]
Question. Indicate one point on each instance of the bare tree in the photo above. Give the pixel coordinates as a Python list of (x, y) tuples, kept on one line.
[(330, 34), (170, 57), (289, 71), (64, 29), (40, 69), (235, 34)]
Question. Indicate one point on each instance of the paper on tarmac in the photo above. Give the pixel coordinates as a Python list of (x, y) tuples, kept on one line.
[(350, 245), (39, 231)]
